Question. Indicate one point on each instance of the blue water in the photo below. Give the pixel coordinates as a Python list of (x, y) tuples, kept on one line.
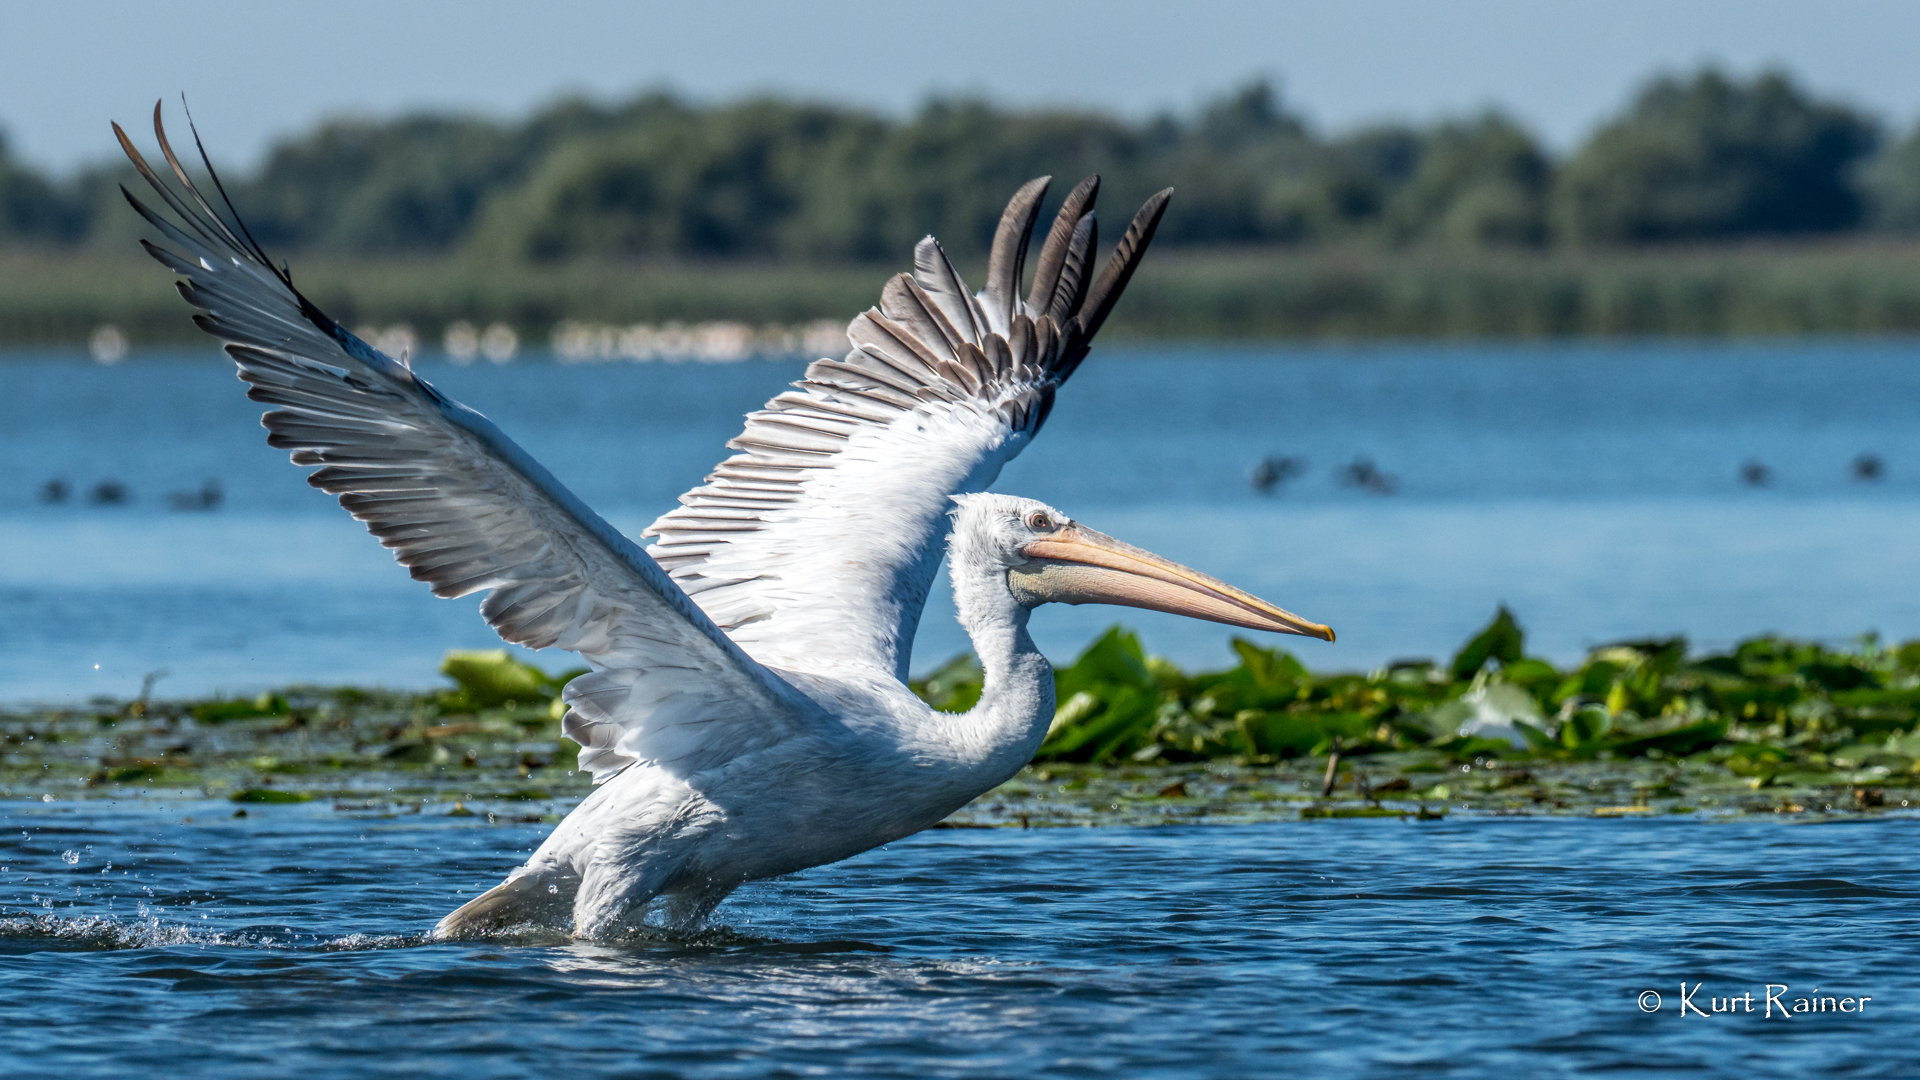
[(183, 942), (1593, 487)]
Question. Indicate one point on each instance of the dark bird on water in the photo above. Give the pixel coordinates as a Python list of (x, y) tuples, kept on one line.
[(108, 493), (1754, 473), (1270, 472), (1868, 467), (1363, 474), (208, 497)]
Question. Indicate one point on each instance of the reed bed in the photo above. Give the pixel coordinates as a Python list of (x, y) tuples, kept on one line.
[(1338, 293)]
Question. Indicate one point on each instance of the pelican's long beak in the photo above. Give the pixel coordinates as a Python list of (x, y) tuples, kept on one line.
[(1077, 565)]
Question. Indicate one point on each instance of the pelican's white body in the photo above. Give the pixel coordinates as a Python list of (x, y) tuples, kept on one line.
[(655, 845)]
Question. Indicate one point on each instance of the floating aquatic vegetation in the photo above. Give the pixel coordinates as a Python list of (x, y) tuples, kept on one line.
[(219, 711), (269, 795), (1637, 728), (1768, 707), (494, 679)]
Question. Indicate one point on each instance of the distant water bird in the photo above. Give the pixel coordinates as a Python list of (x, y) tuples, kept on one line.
[(208, 497), (1868, 468), (108, 493), (747, 713), (1270, 472), (1755, 473), (55, 491), (1363, 474)]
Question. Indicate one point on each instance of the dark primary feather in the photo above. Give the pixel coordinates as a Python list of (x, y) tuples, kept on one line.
[(1060, 252), (1098, 304), (1009, 253)]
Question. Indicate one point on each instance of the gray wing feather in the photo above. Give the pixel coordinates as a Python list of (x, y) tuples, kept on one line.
[(814, 547), (466, 510)]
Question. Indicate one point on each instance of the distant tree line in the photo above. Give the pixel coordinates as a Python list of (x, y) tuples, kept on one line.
[(1705, 157)]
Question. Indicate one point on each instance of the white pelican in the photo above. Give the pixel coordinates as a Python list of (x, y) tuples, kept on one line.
[(747, 713)]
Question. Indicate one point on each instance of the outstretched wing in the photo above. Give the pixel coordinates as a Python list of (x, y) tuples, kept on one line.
[(466, 510), (815, 545)]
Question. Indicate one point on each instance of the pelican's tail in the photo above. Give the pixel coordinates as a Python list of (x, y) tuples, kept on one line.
[(540, 898)]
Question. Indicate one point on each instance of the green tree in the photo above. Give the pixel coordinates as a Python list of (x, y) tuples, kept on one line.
[(948, 170), (1244, 170), (31, 208), (680, 182), (1891, 184), (1353, 180), (1478, 182), (1712, 157), (413, 184)]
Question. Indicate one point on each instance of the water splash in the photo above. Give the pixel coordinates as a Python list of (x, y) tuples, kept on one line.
[(23, 933)]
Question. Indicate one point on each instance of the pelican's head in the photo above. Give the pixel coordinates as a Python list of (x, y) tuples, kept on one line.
[(1048, 557)]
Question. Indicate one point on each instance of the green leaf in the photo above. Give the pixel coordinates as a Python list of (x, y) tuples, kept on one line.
[(1278, 733), (268, 795), (1115, 659), (1908, 655), (1536, 738), (953, 686), (423, 752), (1839, 676), (1502, 640), (491, 678), (1096, 725), (1269, 669), (216, 712), (1586, 727), (1538, 676), (1680, 741)]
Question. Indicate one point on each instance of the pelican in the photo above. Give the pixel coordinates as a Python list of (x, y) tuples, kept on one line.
[(746, 713)]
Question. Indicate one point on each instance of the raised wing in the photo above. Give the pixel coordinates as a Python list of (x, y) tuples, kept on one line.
[(815, 545), (466, 510)]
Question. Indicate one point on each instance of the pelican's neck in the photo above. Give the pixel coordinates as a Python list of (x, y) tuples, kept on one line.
[(1001, 733)]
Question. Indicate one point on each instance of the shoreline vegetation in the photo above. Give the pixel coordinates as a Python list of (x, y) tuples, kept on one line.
[(1639, 729), (1707, 205), (1860, 287)]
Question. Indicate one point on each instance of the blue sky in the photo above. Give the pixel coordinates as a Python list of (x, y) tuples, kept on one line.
[(254, 71)]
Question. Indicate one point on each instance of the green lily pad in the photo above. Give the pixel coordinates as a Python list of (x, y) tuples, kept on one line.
[(269, 795)]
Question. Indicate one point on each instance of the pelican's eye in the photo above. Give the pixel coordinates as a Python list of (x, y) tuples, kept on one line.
[(1038, 521)]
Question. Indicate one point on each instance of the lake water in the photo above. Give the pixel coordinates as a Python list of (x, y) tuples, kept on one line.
[(1594, 487), (168, 938)]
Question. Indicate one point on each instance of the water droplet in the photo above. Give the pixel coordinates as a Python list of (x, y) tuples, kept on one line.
[(70, 857), (553, 890)]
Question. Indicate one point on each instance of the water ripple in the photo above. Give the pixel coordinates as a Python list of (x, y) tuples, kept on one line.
[(296, 945)]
